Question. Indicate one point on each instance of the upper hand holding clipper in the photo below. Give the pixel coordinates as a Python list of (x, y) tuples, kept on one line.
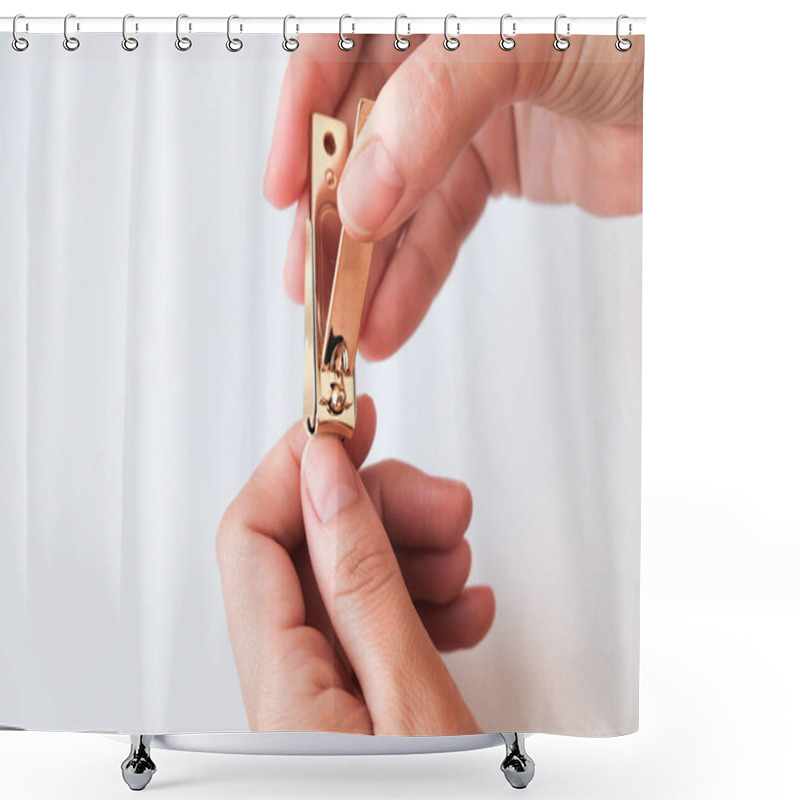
[(448, 130)]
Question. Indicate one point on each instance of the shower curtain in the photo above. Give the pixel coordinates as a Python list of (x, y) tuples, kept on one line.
[(165, 567)]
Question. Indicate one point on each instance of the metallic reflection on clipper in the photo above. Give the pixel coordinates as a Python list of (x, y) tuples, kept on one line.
[(337, 268)]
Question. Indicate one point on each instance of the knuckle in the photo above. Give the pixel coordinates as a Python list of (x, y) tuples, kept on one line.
[(362, 573), (430, 86)]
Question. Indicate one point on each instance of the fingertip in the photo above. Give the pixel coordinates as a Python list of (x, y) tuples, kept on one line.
[(484, 608), (278, 191), (463, 502), (265, 183), (366, 417), (366, 407), (393, 316), (272, 194), (487, 593), (294, 264), (294, 288), (468, 505), (374, 344), (366, 353), (359, 445), (466, 551)]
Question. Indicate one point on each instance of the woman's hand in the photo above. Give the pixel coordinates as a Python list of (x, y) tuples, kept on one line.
[(339, 587), (448, 130)]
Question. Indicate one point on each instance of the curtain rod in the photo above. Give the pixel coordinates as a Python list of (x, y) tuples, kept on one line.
[(513, 26)]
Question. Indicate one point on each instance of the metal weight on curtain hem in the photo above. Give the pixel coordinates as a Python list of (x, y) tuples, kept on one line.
[(451, 40)]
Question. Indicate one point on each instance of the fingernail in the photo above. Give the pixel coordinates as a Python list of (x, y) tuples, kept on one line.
[(329, 477), (371, 187)]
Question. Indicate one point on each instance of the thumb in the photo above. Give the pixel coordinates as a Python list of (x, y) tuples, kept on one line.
[(405, 683), (436, 101), (424, 116)]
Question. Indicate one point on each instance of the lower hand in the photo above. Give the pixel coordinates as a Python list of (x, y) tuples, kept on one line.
[(341, 587)]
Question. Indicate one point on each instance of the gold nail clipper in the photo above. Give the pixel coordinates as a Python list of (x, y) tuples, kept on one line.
[(337, 268)]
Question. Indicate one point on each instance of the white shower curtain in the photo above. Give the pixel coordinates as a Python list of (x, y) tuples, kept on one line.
[(150, 358)]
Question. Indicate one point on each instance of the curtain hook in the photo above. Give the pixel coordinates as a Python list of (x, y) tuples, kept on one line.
[(345, 42), (181, 42), (71, 43), (400, 42), (17, 42), (129, 43), (451, 42), (289, 44), (506, 42), (560, 44), (234, 45), (623, 45)]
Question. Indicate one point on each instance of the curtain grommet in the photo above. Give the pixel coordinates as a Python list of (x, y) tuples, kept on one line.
[(233, 44), (451, 43), (507, 42), (561, 43), (183, 43), (129, 43), (290, 44), (345, 42), (400, 42), (623, 45), (19, 43), (71, 43)]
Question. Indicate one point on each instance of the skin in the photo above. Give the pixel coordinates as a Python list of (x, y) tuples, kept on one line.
[(337, 616), (454, 128)]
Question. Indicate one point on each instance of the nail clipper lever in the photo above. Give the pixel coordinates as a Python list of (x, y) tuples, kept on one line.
[(336, 273)]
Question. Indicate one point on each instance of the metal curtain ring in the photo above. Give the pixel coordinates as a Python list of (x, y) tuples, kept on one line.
[(70, 42), (451, 42), (234, 45), (289, 44), (560, 44), (128, 42), (506, 42), (181, 42), (17, 42), (623, 45), (345, 42), (400, 42)]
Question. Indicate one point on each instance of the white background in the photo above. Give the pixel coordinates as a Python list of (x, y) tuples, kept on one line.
[(721, 452)]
